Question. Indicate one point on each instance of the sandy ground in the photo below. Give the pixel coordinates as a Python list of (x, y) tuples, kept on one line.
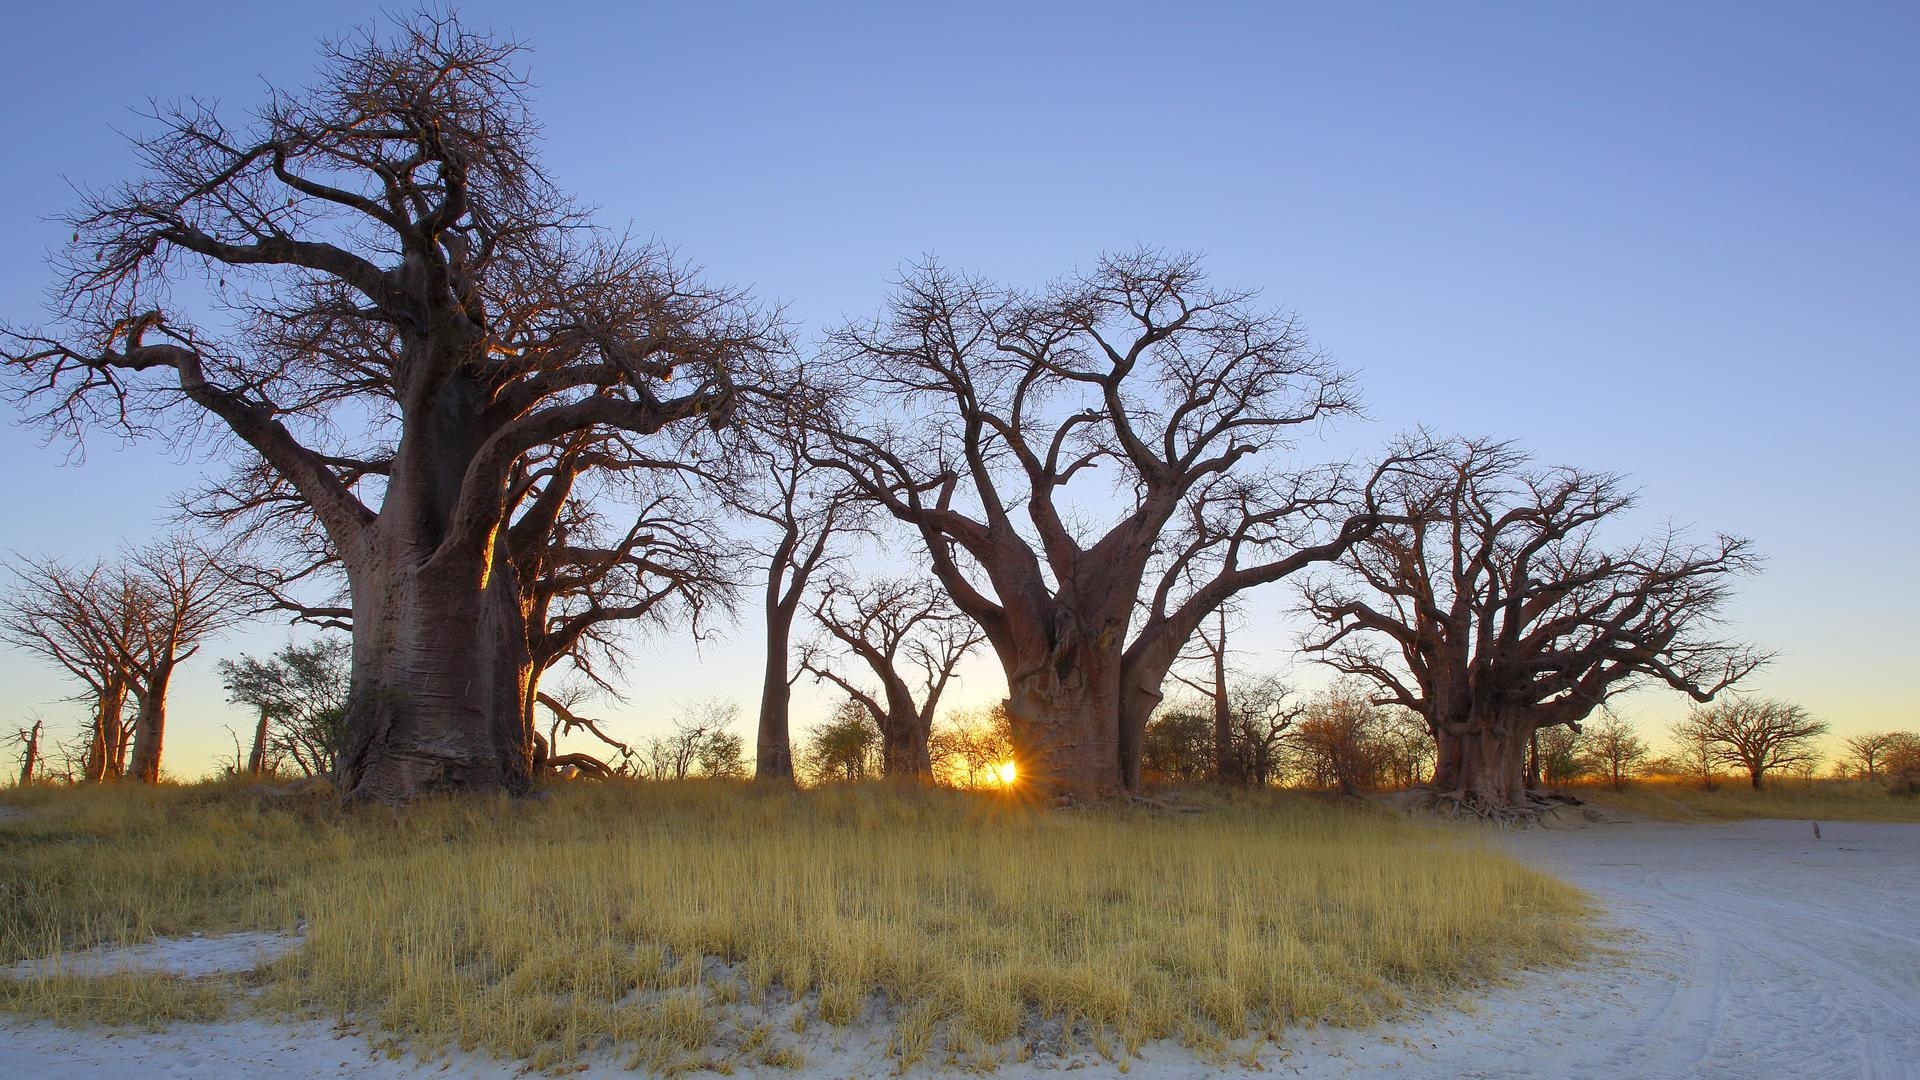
[(1745, 950)]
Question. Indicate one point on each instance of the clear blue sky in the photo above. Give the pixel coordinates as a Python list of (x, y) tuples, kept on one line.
[(1679, 241)]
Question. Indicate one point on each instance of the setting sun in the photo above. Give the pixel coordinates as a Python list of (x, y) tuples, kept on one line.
[(1005, 772)]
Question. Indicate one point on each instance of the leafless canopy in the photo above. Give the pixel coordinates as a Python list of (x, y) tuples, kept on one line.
[(1494, 607), (1004, 424), (1754, 734), (373, 285), (909, 639)]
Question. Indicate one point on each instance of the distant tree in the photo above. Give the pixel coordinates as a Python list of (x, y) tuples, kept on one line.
[(845, 747), (1867, 752), (1179, 746), (299, 695), (698, 744), (1693, 752), (908, 638), (1337, 742), (1902, 764), (81, 618), (401, 307), (1262, 711), (1564, 755), (124, 628), (802, 508), (1618, 751), (1755, 734), (1490, 606)]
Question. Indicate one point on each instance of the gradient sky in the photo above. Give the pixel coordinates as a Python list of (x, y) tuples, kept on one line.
[(1676, 241)]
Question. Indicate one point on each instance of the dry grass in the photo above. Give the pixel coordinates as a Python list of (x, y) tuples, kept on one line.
[(1733, 799), (712, 924)]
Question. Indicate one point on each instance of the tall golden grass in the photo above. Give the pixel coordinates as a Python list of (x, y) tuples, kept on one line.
[(706, 923), (1733, 799)]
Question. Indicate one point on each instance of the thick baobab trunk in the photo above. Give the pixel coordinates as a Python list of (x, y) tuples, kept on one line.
[(1226, 763), (150, 725), (440, 663), (1484, 764), (903, 749), (1065, 713), (773, 746), (107, 752)]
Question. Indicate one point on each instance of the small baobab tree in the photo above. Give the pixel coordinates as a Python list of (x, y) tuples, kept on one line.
[(800, 510), (1492, 608), (386, 257), (1755, 734), (909, 639), (1003, 425)]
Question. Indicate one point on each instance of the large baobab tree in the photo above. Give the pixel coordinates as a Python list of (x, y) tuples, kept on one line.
[(1755, 734), (1494, 609), (910, 639), (1137, 394), (386, 257)]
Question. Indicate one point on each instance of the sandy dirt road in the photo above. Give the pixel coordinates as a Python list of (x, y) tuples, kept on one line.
[(1748, 950)]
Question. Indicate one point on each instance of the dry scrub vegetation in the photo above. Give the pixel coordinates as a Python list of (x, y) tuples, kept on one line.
[(710, 924), (1735, 800)]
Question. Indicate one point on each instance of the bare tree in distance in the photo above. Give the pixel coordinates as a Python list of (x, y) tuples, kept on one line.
[(909, 638), (1494, 609), (1758, 735), (77, 617), (1004, 409), (1867, 752), (699, 744), (393, 260), (804, 508), (123, 628), (187, 600), (969, 748), (1618, 750)]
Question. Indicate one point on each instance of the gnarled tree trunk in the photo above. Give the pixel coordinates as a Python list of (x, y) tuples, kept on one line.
[(439, 667), (1483, 762), (150, 725), (773, 744), (1065, 713)]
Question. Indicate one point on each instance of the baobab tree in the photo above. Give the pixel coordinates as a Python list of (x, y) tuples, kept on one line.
[(802, 509), (77, 617), (1756, 734), (394, 260), (124, 628), (1493, 609), (909, 638), (1004, 408)]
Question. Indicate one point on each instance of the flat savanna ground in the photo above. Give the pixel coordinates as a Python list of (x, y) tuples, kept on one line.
[(1745, 949)]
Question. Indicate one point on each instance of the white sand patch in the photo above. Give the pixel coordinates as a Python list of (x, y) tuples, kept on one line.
[(1750, 951), (190, 957)]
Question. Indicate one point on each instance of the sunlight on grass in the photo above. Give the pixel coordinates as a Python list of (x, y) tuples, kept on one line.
[(676, 925)]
